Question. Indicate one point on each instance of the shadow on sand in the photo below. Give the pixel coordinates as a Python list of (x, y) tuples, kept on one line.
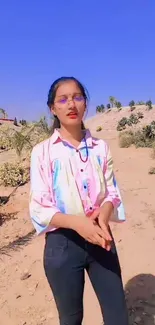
[(140, 295), (17, 244)]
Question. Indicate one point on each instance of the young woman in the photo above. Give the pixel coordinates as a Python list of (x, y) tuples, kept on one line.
[(73, 198)]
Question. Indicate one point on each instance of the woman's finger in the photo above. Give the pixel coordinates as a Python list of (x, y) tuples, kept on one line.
[(95, 214), (106, 231), (101, 232), (99, 240)]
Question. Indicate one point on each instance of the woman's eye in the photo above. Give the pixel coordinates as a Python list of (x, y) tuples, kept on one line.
[(79, 98), (63, 100)]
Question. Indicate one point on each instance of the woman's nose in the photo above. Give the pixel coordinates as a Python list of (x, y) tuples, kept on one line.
[(71, 102)]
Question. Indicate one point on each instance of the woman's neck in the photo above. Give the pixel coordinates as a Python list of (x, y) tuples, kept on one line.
[(72, 134)]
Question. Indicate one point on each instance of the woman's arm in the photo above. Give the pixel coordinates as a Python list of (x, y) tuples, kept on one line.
[(112, 199), (44, 214)]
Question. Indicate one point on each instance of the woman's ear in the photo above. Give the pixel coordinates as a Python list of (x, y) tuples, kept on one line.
[(52, 110)]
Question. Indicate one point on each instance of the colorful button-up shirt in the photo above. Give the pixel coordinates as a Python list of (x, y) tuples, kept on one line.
[(71, 180)]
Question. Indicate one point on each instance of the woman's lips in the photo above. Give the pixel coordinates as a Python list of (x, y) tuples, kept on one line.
[(72, 115)]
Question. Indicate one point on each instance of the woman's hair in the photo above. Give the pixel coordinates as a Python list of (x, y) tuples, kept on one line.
[(52, 94)]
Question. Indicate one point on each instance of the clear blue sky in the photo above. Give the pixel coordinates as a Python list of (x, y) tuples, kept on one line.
[(108, 45)]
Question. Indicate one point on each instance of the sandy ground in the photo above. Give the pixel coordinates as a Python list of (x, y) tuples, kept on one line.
[(25, 298)]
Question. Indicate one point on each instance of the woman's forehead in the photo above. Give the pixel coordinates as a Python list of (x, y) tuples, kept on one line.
[(68, 88)]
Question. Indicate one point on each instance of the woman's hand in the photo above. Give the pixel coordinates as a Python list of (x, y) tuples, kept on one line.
[(101, 216), (90, 230)]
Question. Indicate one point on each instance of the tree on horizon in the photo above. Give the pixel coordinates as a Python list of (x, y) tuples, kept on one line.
[(112, 100), (100, 108), (3, 113)]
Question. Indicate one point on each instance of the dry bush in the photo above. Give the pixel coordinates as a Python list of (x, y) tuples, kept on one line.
[(152, 171), (99, 128), (25, 138), (5, 142), (141, 141), (13, 174), (144, 137), (126, 139)]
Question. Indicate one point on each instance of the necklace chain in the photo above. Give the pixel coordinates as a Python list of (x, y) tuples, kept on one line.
[(86, 152)]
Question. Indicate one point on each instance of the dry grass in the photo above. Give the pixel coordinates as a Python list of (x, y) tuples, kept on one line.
[(126, 139)]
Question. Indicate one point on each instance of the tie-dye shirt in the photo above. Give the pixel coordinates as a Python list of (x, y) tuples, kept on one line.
[(71, 180)]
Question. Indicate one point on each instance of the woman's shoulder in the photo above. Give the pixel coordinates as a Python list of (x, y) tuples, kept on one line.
[(100, 144), (42, 147)]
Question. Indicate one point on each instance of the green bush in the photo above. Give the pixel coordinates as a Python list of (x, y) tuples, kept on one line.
[(122, 124), (149, 130), (133, 119), (13, 174)]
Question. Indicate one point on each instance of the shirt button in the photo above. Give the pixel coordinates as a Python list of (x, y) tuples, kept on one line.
[(77, 150), (81, 170), (91, 208)]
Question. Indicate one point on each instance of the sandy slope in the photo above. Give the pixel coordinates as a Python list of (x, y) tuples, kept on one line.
[(29, 301)]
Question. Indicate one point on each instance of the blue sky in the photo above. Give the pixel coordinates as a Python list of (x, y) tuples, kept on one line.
[(108, 45)]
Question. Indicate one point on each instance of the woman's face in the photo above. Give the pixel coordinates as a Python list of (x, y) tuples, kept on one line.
[(69, 104)]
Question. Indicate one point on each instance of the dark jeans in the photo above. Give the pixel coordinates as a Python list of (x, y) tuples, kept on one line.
[(66, 256)]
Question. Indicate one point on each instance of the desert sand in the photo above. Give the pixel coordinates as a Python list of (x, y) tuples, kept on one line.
[(25, 297)]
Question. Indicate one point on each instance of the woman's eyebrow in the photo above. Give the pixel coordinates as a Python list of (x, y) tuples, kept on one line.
[(64, 95)]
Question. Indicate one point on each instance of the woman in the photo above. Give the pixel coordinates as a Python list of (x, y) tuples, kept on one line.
[(73, 198)]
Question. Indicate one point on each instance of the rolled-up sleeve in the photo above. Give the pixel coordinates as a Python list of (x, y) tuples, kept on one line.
[(41, 204), (112, 194)]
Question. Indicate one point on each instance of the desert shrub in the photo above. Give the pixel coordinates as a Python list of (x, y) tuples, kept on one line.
[(149, 130), (140, 115), (144, 137), (132, 108), (21, 142), (133, 119), (139, 139), (122, 124), (149, 104), (126, 139), (13, 174), (99, 128), (152, 170), (5, 142)]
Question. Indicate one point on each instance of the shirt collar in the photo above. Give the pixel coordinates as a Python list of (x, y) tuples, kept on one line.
[(56, 138)]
